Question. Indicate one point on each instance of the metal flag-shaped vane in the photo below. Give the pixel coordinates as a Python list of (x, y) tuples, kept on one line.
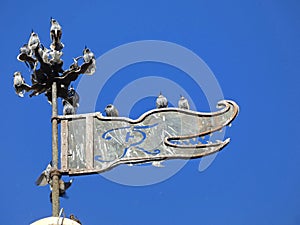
[(92, 143)]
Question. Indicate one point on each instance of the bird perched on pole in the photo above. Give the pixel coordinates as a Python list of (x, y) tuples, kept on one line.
[(55, 35), (44, 178), (25, 55), (34, 41), (87, 56), (183, 103), (111, 111), (161, 101), (73, 97), (68, 109), (19, 84), (63, 187)]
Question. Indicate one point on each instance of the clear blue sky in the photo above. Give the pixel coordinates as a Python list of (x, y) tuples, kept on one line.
[(253, 48)]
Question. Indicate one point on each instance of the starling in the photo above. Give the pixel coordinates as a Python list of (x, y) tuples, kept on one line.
[(183, 103), (63, 187), (68, 109), (55, 35), (34, 41), (88, 55), (44, 178), (161, 101), (111, 111), (20, 85)]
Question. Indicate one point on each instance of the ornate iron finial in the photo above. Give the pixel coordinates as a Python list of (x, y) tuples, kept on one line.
[(46, 66)]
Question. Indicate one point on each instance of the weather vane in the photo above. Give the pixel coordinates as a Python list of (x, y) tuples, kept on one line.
[(94, 143)]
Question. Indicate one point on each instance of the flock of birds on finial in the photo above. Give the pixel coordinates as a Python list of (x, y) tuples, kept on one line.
[(46, 67)]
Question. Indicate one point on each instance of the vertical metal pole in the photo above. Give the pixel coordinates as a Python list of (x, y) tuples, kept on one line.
[(55, 178)]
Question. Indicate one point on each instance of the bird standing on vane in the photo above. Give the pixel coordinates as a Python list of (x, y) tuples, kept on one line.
[(111, 111), (68, 109), (71, 103), (161, 101), (183, 103)]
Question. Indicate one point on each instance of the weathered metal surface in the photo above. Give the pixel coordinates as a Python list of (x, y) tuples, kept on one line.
[(97, 143)]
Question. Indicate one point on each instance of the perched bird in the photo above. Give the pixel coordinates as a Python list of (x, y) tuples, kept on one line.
[(44, 53), (56, 56), (34, 41), (72, 217), (183, 103), (68, 109), (20, 85), (88, 56), (161, 101), (111, 111), (63, 187), (56, 61), (73, 97), (44, 178), (55, 35), (25, 55)]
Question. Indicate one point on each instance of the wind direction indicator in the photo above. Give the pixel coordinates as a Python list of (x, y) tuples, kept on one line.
[(94, 143)]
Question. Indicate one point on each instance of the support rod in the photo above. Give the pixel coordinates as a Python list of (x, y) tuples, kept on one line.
[(55, 178)]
